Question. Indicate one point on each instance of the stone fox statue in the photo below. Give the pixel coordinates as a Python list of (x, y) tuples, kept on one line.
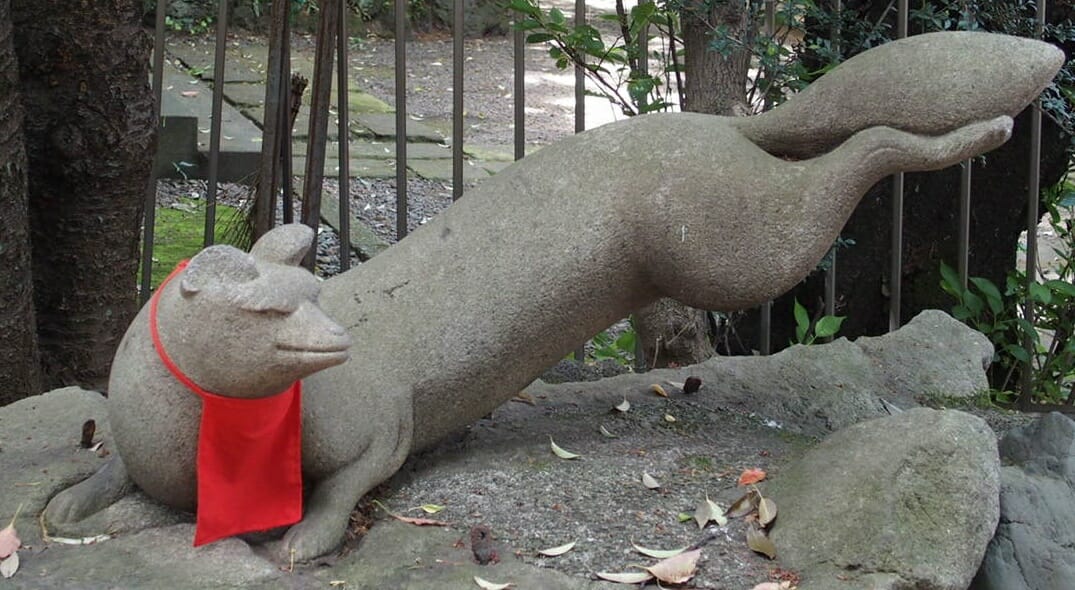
[(719, 213)]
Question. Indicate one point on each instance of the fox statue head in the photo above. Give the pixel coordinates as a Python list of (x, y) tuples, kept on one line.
[(248, 325)]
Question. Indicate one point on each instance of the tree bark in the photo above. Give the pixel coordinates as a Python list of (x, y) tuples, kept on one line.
[(19, 374), (90, 140), (716, 83), (672, 333)]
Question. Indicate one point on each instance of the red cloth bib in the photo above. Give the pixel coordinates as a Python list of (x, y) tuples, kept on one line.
[(249, 454)]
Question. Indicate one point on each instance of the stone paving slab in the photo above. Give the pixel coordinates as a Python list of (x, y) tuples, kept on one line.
[(490, 153), (384, 125), (240, 139), (364, 241), (245, 63), (360, 168), (188, 94), (442, 170), (383, 150)]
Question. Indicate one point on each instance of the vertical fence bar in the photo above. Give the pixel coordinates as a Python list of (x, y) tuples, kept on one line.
[(320, 100), (766, 321), (149, 215), (287, 183), (580, 74), (457, 99), (519, 69), (966, 171), (830, 274), (343, 137), (580, 126), (215, 124), (264, 211), (1026, 381), (895, 282), (264, 195), (964, 220), (401, 118)]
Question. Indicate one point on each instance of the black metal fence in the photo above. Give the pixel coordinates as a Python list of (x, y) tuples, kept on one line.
[(276, 173)]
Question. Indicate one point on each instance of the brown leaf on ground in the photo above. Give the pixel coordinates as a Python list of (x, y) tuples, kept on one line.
[(751, 476)]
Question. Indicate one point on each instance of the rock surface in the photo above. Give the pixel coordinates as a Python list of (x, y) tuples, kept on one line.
[(1034, 546), (907, 501), (501, 473)]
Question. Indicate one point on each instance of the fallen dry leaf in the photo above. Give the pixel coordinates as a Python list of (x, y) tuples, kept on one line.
[(658, 553), (189, 93), (525, 398), (623, 406), (656, 388), (419, 521), (709, 510), (487, 585), (561, 453), (410, 519), (751, 476), (766, 511), (431, 508), (626, 577), (604, 432), (9, 565), (744, 505), (773, 586), (9, 539), (676, 569), (559, 550), (758, 541), (80, 541), (649, 481)]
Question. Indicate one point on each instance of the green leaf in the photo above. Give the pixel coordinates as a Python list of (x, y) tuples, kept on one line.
[(1040, 293), (556, 16), (828, 326), (950, 282), (974, 303), (1062, 287), (539, 37), (992, 294), (640, 17), (640, 88), (802, 320), (1017, 352)]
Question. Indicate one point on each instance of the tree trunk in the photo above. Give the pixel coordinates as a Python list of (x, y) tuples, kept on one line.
[(716, 83), (90, 140), (670, 332), (19, 374)]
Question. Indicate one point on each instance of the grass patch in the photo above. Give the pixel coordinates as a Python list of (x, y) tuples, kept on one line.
[(179, 231)]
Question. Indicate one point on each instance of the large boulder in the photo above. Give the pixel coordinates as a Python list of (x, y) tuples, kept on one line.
[(907, 501), (1034, 546)]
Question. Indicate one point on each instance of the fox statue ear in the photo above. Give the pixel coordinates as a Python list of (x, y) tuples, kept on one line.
[(286, 244), (216, 266)]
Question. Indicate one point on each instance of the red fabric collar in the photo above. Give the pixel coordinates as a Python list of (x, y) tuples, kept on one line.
[(249, 454)]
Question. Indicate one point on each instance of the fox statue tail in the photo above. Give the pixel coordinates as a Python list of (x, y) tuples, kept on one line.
[(926, 84)]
